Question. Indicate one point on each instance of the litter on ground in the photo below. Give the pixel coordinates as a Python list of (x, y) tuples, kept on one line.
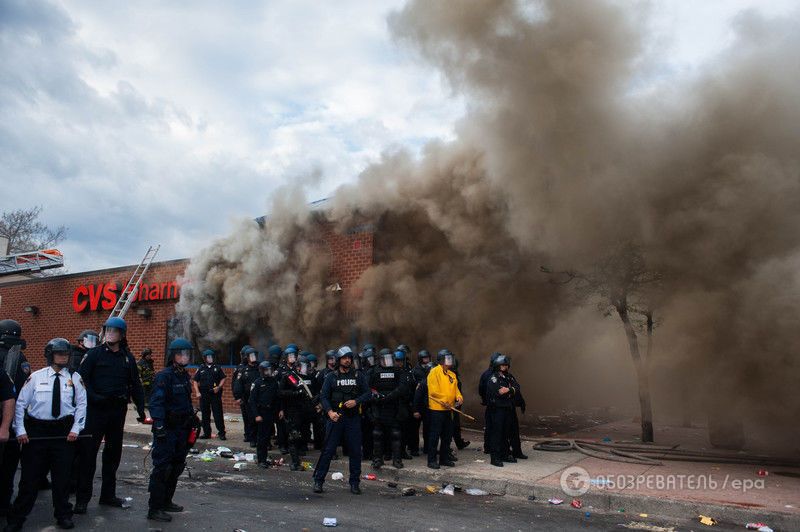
[(337, 476), (555, 500), (706, 520), (329, 521), (476, 491), (448, 490)]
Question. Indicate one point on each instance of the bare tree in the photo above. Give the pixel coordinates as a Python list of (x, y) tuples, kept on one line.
[(621, 283), (26, 233)]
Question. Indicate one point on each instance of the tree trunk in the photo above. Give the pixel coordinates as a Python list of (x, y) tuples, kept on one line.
[(641, 373)]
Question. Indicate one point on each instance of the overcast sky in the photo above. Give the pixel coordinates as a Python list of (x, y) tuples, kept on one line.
[(164, 122)]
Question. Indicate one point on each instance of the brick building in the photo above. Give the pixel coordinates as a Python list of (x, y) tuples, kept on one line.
[(65, 305)]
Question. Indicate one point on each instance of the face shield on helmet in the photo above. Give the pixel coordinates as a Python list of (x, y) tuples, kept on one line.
[(302, 368), (448, 360), (252, 356), (89, 341), (182, 357), (387, 360), (113, 335), (291, 358), (209, 359)]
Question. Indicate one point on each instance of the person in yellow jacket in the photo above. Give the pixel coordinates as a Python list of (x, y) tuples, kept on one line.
[(442, 394)]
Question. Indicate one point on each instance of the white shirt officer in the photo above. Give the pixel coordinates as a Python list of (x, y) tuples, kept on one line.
[(36, 397)]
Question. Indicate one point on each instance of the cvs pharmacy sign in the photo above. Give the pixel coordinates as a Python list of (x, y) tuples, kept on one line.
[(104, 296)]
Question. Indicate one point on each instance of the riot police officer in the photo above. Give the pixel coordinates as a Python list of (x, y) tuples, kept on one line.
[(368, 366), (244, 379), (343, 393), (443, 393), (264, 402), (112, 379), (238, 392), (418, 374), (484, 380), (146, 372), (297, 404), (500, 398), (519, 401), (18, 369), (173, 419), (391, 394), (460, 442), (50, 413), (87, 339), (208, 383)]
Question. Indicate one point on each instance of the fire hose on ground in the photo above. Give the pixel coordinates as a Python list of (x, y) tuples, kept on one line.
[(646, 454)]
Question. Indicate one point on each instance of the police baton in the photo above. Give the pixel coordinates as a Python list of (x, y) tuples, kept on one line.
[(454, 409)]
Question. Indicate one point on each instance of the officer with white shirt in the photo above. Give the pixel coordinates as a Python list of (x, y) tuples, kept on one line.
[(50, 413)]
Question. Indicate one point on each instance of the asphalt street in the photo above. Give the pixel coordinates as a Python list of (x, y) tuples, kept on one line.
[(217, 497)]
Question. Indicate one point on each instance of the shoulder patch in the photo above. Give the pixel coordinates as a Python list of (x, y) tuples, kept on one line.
[(494, 379)]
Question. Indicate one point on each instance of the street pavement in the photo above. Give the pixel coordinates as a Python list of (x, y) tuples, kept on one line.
[(217, 497)]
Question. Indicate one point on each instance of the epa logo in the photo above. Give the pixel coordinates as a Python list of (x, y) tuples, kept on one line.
[(575, 481)]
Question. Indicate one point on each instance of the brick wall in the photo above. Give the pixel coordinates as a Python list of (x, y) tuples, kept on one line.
[(351, 254)]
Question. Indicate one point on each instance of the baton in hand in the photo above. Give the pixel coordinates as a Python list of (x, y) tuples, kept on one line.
[(454, 409)]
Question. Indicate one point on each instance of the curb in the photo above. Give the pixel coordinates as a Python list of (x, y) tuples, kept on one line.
[(608, 503)]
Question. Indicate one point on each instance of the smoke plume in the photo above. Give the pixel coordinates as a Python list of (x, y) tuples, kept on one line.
[(559, 158)]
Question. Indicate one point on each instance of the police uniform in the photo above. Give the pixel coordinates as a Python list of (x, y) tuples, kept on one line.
[(238, 394), (111, 379), (247, 377), (388, 406), (318, 424), (264, 402), (501, 408), (172, 413), (51, 405), (6, 394), (207, 378), (419, 375), (337, 389), (487, 416), (9, 460), (298, 409)]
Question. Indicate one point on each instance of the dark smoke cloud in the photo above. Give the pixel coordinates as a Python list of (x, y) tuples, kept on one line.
[(559, 159)]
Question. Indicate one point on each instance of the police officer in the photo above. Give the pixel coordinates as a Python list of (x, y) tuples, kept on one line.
[(318, 425), (208, 383), (418, 374), (263, 403), (297, 404), (519, 401), (13, 360), (112, 379), (146, 372), (460, 442), (368, 366), (391, 394), (443, 393), (173, 419), (87, 339), (484, 380), (7, 402), (343, 393), (238, 391), (245, 381), (500, 398), (50, 413)]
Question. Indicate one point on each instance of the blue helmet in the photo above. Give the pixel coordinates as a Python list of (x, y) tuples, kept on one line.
[(274, 351), (344, 351), (245, 347), (291, 348), (312, 358), (209, 353), (116, 323), (399, 355), (179, 344)]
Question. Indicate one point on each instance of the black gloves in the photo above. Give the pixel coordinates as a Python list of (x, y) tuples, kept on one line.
[(159, 432)]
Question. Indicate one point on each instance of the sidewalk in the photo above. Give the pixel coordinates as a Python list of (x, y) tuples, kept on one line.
[(730, 493)]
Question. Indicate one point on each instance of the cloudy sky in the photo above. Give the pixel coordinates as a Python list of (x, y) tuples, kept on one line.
[(165, 122)]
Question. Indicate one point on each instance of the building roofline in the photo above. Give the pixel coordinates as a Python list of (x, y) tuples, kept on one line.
[(86, 273)]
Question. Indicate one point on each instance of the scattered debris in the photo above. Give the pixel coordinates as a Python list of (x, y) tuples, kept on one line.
[(371, 476), (431, 489), (222, 449), (478, 491), (392, 484), (206, 457), (576, 503), (448, 490), (635, 525), (240, 530), (194, 451), (555, 500), (226, 454), (329, 521), (337, 476), (408, 492), (238, 466), (131, 445), (761, 527), (706, 520), (481, 461), (307, 465), (644, 515), (531, 497)]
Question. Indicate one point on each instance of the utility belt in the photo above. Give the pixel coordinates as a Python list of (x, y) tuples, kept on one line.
[(48, 427), (340, 409)]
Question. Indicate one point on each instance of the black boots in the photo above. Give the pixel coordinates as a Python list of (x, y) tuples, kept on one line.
[(159, 515)]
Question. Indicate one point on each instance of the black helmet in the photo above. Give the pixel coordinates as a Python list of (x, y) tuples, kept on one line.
[(265, 367), (249, 354), (404, 348), (56, 345), (147, 351), (500, 360), (88, 338), (11, 334), (423, 354)]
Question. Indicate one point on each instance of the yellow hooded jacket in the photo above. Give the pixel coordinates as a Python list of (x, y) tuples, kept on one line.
[(442, 385)]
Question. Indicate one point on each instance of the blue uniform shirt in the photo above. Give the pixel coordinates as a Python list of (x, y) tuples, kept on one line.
[(36, 397), (172, 394)]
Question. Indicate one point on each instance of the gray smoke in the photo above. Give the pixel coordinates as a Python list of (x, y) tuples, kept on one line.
[(558, 160)]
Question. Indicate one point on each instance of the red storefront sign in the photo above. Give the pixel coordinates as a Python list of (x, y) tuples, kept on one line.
[(105, 295)]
